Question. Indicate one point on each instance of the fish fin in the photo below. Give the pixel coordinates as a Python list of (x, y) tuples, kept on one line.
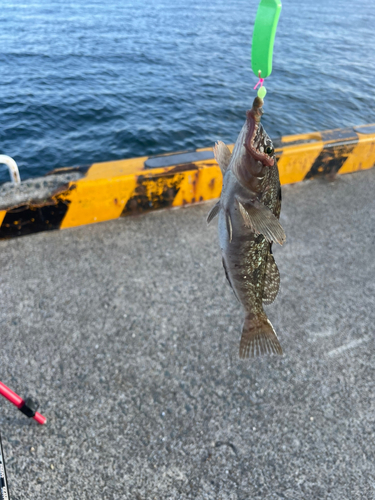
[(258, 337), (222, 155), (228, 279), (213, 212), (229, 227), (271, 281), (261, 220)]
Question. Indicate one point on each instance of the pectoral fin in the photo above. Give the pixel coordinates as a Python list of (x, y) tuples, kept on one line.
[(271, 281), (261, 220), (213, 212), (222, 155)]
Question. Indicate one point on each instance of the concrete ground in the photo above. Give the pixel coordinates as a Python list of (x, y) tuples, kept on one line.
[(128, 335)]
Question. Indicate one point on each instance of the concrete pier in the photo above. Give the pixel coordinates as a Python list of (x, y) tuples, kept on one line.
[(128, 335)]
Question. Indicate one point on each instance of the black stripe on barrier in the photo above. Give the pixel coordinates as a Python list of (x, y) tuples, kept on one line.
[(333, 155), (30, 219), (153, 193)]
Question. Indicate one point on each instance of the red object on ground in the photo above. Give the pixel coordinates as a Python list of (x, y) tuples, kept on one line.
[(19, 402)]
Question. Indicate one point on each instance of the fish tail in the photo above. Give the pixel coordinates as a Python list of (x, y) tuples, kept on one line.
[(258, 337)]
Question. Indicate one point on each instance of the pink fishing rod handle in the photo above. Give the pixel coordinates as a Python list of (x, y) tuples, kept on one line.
[(39, 418), (10, 395)]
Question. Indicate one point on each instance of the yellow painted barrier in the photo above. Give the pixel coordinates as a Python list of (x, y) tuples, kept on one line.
[(113, 189)]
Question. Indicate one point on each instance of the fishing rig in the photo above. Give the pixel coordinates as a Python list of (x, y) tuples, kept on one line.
[(264, 32)]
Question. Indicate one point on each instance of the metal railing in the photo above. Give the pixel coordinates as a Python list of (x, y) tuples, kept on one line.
[(12, 167)]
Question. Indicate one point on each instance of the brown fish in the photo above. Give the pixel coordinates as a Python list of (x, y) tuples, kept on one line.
[(249, 209)]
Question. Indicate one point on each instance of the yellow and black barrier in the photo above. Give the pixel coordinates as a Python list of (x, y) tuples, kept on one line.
[(113, 189)]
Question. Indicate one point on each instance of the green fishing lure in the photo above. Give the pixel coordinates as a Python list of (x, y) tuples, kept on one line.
[(263, 39)]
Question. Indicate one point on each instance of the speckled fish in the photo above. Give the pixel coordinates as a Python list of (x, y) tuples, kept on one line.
[(248, 210)]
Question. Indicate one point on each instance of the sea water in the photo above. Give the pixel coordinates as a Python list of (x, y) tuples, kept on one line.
[(90, 81)]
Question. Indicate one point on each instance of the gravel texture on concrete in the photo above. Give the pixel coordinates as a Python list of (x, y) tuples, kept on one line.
[(128, 335)]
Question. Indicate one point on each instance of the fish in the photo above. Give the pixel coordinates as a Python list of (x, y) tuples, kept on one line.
[(248, 214)]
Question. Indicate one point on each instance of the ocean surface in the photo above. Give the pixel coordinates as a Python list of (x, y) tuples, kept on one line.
[(90, 81)]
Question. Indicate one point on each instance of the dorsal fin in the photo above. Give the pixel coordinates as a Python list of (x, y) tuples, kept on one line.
[(222, 155)]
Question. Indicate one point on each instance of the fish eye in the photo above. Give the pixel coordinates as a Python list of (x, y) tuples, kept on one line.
[(269, 151)]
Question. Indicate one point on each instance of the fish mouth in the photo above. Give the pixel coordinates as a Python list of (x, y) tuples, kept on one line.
[(261, 147), (257, 142)]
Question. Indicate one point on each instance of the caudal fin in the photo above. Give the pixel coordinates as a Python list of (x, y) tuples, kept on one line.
[(258, 337)]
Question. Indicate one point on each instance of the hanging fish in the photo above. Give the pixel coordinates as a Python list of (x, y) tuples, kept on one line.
[(248, 210)]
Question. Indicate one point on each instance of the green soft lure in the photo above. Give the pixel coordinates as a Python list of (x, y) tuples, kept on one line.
[(263, 39)]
